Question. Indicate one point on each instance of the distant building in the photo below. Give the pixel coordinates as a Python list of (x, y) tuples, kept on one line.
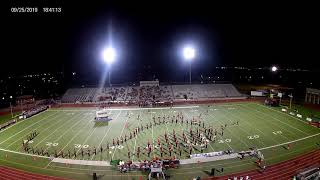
[(312, 96)]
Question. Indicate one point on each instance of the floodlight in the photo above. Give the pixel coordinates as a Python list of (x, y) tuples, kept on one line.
[(109, 55), (189, 53), (274, 68)]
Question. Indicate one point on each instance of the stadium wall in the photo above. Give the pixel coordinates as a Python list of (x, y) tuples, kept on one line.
[(181, 102)]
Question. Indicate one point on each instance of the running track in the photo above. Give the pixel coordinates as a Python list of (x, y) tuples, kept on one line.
[(284, 170), (7, 173)]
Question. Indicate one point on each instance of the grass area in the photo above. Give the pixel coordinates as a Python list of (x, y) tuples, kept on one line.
[(7, 117), (74, 129), (304, 111)]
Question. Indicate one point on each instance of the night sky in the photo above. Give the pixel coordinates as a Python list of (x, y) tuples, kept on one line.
[(148, 37)]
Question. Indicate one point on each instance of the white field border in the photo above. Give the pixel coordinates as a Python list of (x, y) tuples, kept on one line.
[(305, 122), (28, 127), (287, 125), (268, 147), (269, 124), (265, 148), (245, 132)]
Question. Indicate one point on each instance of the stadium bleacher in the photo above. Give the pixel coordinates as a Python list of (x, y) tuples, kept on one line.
[(150, 93)]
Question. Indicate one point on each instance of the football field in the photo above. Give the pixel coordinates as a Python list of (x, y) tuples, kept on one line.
[(72, 133)]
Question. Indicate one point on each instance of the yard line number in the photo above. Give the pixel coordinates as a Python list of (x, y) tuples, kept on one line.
[(224, 140), (52, 144), (253, 137), (277, 132), (26, 141), (81, 146)]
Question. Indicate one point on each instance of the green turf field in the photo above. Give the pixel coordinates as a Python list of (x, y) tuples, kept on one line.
[(74, 129)]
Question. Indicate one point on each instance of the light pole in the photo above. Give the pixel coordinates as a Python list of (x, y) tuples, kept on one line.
[(290, 99), (189, 54), (11, 107), (109, 56)]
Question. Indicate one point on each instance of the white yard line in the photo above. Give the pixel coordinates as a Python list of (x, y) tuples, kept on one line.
[(188, 139), (68, 110), (228, 130), (105, 135), (239, 119), (286, 114), (290, 142), (20, 122), (281, 122), (56, 129), (135, 141), (137, 109), (215, 165), (36, 128), (115, 149), (85, 141), (58, 139), (11, 126), (15, 152), (267, 123), (28, 127), (76, 135), (167, 132), (66, 131), (225, 117)]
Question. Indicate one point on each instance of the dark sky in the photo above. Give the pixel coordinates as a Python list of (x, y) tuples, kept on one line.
[(148, 36)]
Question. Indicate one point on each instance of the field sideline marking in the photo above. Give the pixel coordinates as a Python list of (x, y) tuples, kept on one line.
[(269, 124), (65, 131), (15, 152), (137, 109), (174, 152), (281, 121), (282, 126), (62, 134), (289, 142), (287, 115), (76, 135), (174, 173), (115, 149), (209, 143), (221, 137), (28, 127), (54, 123), (11, 126), (136, 175), (135, 141), (67, 110), (18, 123), (245, 132), (106, 134)]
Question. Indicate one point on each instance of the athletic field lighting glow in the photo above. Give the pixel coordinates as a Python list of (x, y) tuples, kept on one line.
[(109, 55), (188, 53), (274, 68)]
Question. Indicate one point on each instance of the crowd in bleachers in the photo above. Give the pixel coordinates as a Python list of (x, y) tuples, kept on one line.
[(7, 124), (79, 95), (34, 111), (150, 94)]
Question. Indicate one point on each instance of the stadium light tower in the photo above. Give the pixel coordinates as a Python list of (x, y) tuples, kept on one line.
[(109, 56), (11, 107), (189, 54), (274, 68)]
